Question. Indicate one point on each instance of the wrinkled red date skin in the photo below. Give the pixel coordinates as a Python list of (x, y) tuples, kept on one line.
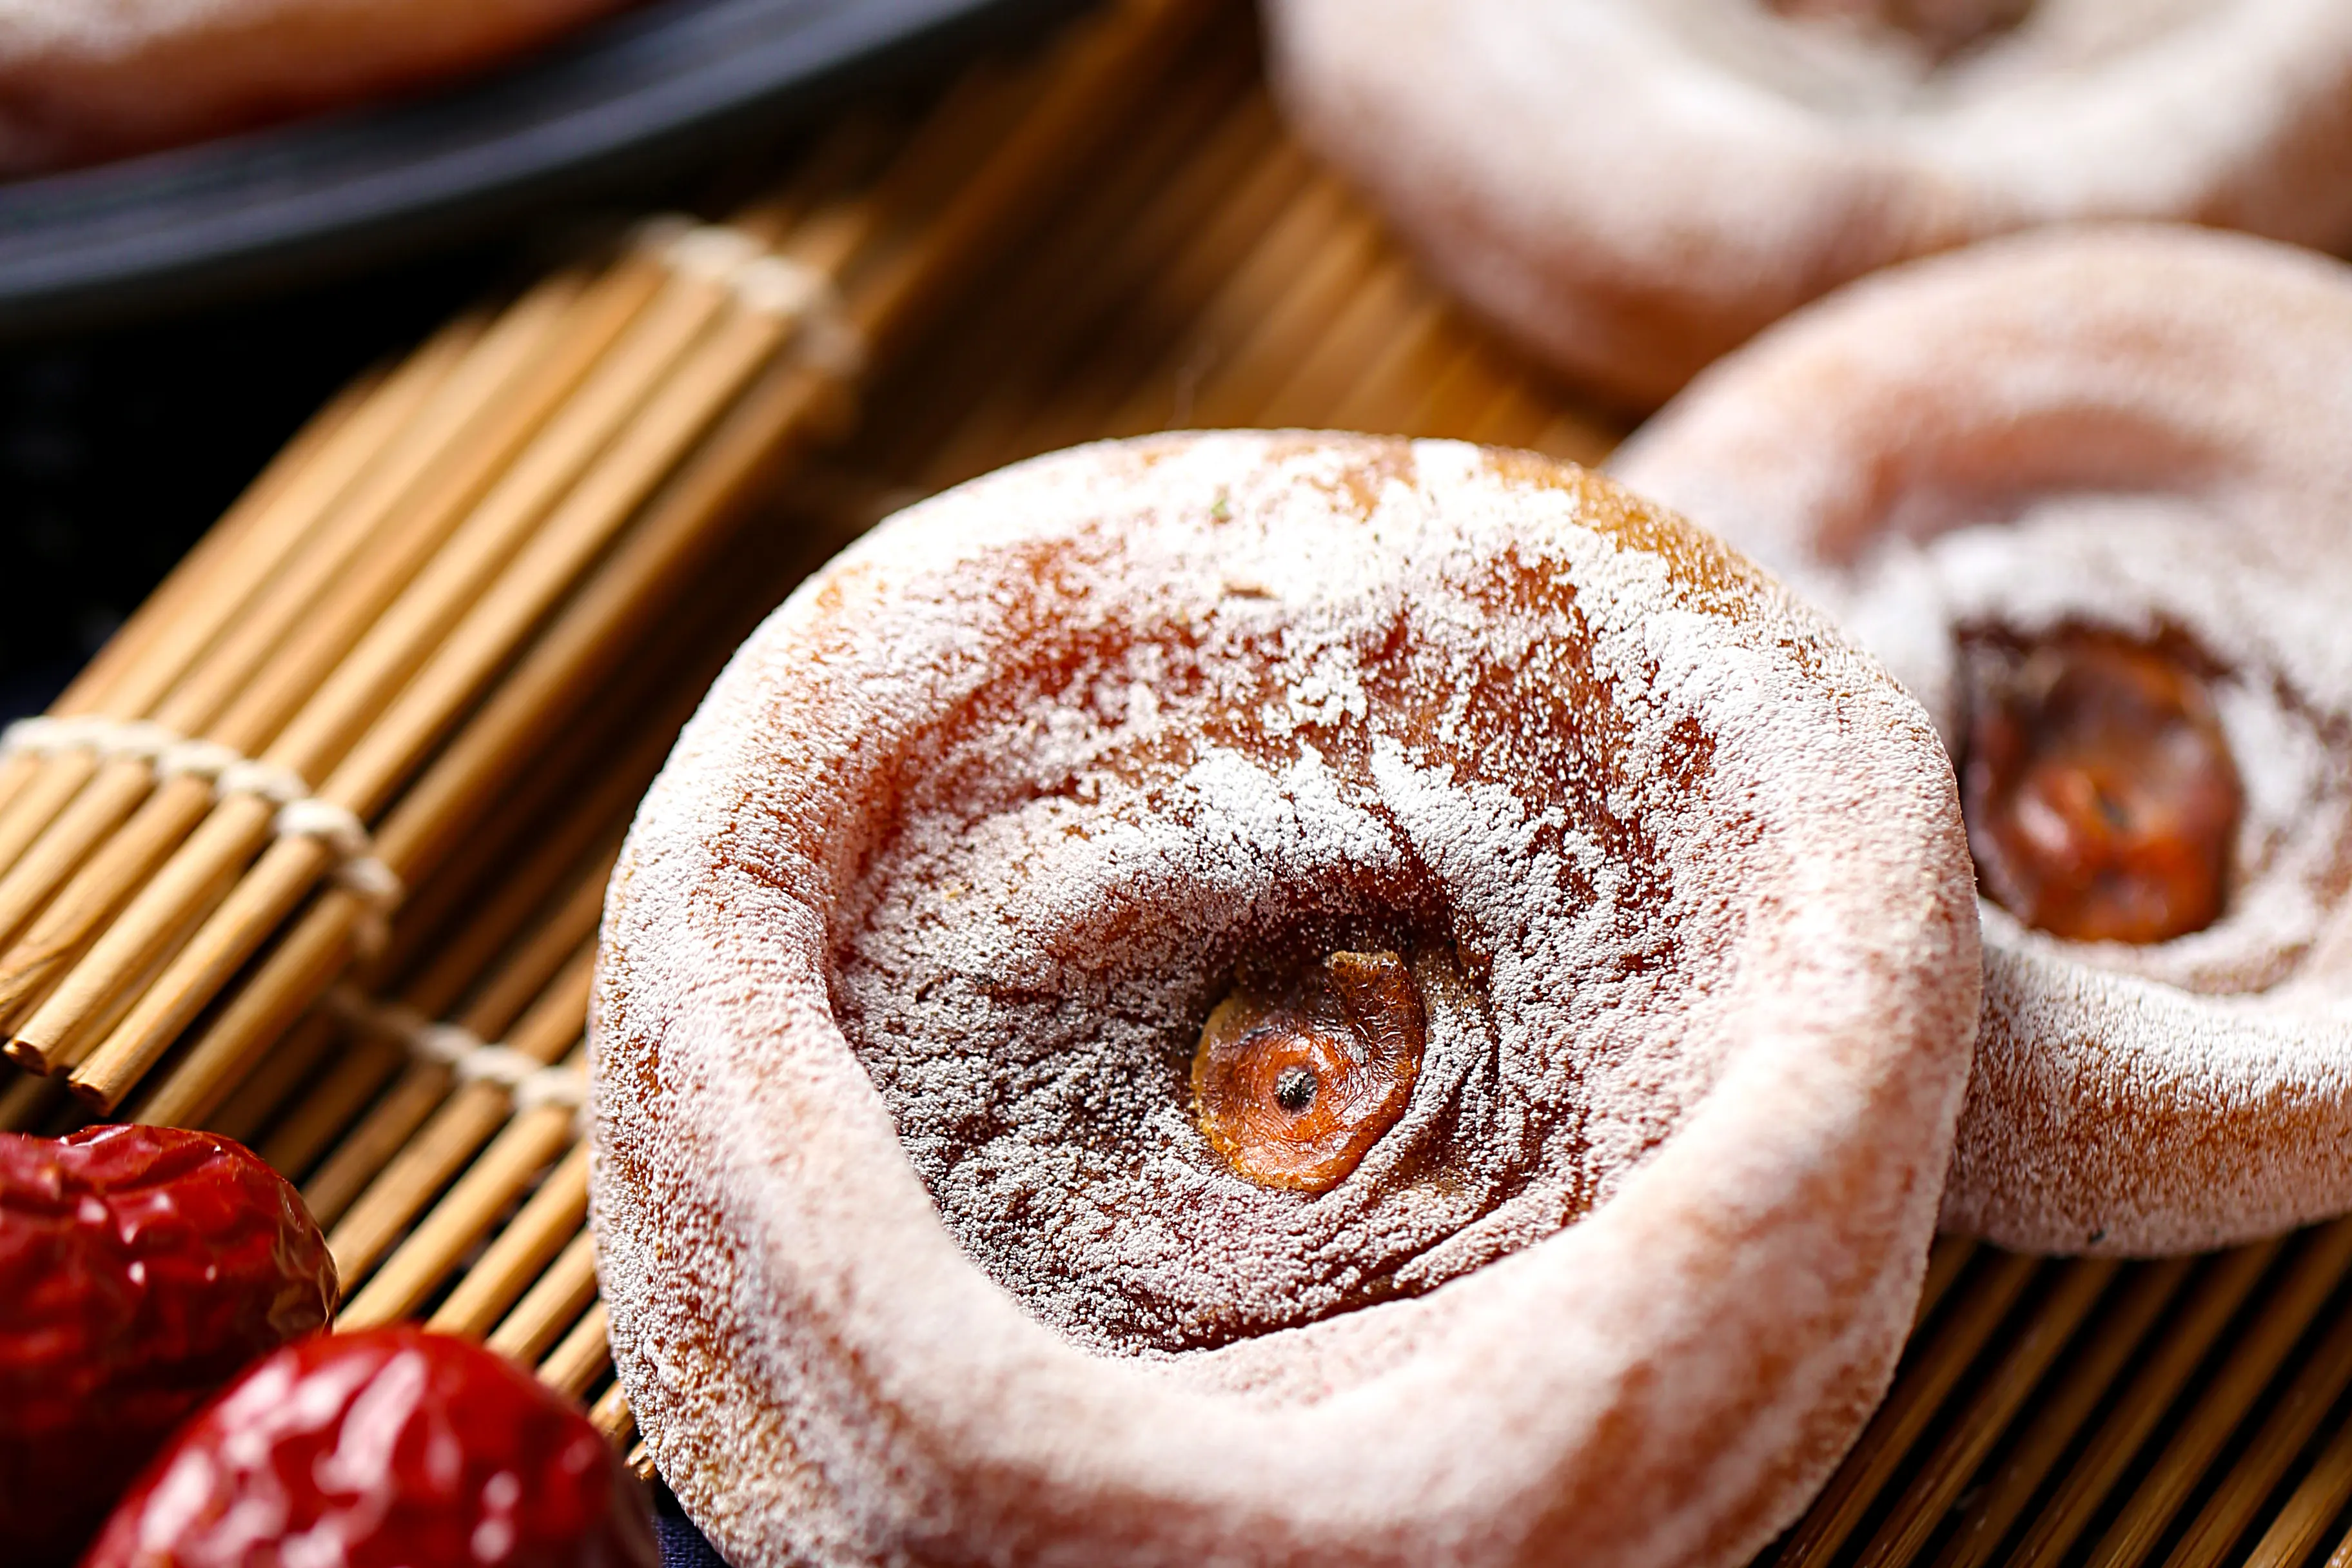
[(141, 1268), (386, 1448)]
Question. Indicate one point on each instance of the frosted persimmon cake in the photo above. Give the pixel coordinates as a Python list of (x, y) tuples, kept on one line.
[(1277, 997), (2089, 494), (1633, 188)]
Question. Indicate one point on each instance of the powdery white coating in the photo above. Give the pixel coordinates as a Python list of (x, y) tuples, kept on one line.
[(2142, 429), (941, 879), (86, 79), (1632, 187)]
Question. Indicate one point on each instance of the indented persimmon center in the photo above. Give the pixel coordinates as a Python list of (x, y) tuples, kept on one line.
[(2099, 790), (1298, 1074)]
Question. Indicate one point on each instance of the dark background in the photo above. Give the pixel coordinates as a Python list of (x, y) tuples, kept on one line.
[(120, 444), (119, 448)]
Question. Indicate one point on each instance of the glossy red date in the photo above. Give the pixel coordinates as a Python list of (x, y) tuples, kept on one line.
[(386, 1448), (141, 1268)]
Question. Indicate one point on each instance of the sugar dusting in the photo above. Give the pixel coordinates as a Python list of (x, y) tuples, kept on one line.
[(1340, 756), (1634, 187), (1685, 882), (2140, 431)]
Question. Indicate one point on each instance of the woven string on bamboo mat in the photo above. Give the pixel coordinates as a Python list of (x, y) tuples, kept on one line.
[(314, 851)]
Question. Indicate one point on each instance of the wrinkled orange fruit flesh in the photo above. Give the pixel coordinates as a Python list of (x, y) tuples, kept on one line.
[(1298, 1074), (2099, 791)]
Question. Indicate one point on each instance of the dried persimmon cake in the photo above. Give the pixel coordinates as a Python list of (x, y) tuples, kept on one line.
[(1276, 997), (2088, 495), (1633, 188)]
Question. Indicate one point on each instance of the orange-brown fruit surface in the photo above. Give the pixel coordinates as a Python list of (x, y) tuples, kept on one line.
[(2100, 795), (1104, 857), (2136, 432), (1297, 1075)]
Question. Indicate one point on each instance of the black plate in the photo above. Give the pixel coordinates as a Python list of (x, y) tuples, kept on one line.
[(642, 95)]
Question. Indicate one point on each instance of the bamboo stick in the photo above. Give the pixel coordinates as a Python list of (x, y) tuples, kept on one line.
[(470, 910), (209, 574), (302, 1133), (521, 1253), (2319, 1378), (369, 510), (364, 1069), (1139, 289), (475, 439), (104, 802), (254, 1104), (386, 656), (464, 1122), (494, 367), (213, 567), (294, 511), (584, 1355), (464, 657), (2256, 1352), (1949, 1258), (1089, 82), (226, 1052), (2092, 1477), (561, 459), (2316, 1503), (1416, 353), (581, 648), (1991, 1404), (552, 1303), (388, 749), (1000, 369), (607, 618), (139, 938), (607, 496), (423, 1089), (378, 1139), (365, 1064), (307, 504), (1935, 1367), (98, 896), (263, 1081), (120, 1005), (498, 1175), (1328, 270), (1343, 355), (1259, 405), (1244, 297), (43, 955), (2089, 1375), (298, 1140), (610, 1415), (1452, 402)]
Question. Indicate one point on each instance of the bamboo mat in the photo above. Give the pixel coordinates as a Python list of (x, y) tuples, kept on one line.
[(1195, 269)]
